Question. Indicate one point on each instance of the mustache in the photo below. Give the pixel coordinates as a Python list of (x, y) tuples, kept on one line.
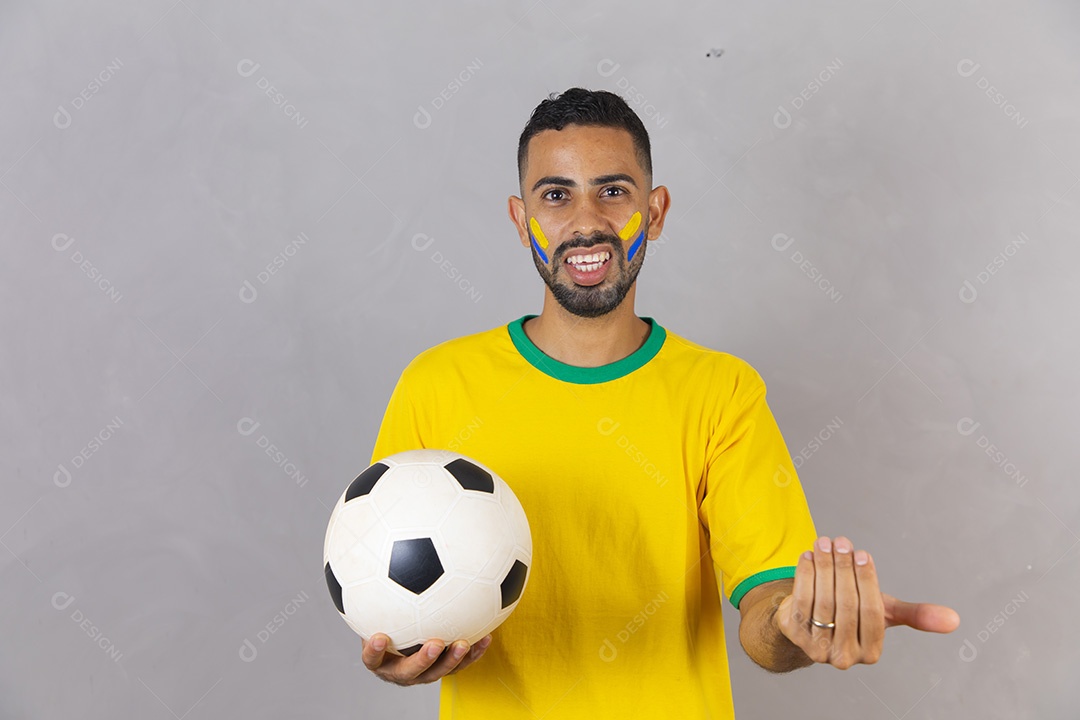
[(613, 240)]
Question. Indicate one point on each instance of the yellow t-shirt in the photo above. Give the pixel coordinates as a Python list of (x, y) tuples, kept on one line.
[(644, 481)]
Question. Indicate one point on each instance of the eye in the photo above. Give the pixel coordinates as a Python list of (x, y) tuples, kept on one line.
[(615, 187), (545, 195)]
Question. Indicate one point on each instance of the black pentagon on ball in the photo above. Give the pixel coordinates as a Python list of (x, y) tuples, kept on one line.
[(414, 564), (335, 589), (365, 481), (470, 476), (514, 583)]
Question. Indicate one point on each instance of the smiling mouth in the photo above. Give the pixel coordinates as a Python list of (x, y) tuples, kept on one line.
[(588, 263), (588, 269)]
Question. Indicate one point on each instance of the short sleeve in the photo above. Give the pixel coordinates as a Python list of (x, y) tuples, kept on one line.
[(400, 429), (753, 505)]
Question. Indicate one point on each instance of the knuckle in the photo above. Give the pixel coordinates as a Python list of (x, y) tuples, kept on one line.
[(841, 659)]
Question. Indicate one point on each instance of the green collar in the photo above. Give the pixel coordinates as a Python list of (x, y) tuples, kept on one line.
[(586, 375)]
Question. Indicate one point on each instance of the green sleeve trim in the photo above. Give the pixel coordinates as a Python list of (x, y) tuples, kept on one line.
[(757, 579)]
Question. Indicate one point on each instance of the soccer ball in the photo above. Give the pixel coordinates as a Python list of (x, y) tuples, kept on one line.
[(427, 544)]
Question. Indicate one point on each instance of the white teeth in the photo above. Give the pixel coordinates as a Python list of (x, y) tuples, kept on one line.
[(588, 263)]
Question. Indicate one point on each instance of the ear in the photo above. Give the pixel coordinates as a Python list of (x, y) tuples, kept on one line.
[(515, 207), (659, 204)]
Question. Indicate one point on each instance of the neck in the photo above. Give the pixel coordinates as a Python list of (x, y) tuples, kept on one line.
[(587, 342)]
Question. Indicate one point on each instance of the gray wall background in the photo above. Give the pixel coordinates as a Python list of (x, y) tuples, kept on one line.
[(873, 203)]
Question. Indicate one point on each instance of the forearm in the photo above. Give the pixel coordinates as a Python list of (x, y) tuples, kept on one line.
[(765, 644)]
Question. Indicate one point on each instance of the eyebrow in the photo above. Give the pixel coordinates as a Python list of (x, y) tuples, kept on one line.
[(567, 182)]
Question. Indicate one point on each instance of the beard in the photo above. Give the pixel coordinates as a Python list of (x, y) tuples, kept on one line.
[(593, 300)]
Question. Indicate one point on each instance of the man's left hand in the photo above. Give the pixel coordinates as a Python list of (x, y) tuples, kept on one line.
[(832, 586)]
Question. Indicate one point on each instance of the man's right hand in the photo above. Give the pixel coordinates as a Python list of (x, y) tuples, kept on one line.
[(426, 665)]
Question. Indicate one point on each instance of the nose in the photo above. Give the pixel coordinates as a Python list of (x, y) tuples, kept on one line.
[(588, 222)]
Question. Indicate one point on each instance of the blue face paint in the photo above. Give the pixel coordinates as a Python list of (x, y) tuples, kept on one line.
[(635, 245), (539, 250), (633, 224)]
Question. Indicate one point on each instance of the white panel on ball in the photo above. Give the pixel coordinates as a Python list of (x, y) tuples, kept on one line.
[(427, 544), (459, 604), (397, 501)]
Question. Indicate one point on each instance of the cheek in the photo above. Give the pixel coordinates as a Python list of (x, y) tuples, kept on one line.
[(634, 233), (631, 227), (539, 240)]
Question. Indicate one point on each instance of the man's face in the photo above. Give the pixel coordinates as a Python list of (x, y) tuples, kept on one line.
[(586, 210)]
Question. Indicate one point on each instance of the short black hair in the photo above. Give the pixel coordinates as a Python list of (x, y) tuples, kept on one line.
[(578, 106)]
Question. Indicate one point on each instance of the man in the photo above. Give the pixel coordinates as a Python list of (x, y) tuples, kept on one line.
[(650, 468)]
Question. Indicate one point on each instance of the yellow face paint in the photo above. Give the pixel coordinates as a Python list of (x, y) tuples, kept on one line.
[(538, 233), (629, 230), (631, 227), (539, 242)]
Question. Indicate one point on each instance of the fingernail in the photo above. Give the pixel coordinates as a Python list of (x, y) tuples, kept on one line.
[(379, 644), (861, 557), (825, 545), (485, 642), (433, 651), (843, 546), (458, 651), (808, 555)]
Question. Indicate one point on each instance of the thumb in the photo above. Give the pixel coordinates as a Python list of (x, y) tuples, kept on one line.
[(921, 616)]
